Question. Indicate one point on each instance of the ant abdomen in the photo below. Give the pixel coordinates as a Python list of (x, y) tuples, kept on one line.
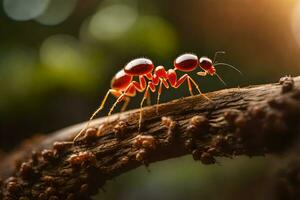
[(121, 80), (186, 62), (139, 66)]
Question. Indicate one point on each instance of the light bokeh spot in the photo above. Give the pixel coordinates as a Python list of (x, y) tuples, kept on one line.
[(57, 12), (113, 21), (61, 51), (22, 10)]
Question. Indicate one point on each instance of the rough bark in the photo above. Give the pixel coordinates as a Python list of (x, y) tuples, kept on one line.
[(241, 121)]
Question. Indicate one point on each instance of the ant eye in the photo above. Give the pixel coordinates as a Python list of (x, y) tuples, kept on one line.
[(139, 66), (205, 63), (186, 62)]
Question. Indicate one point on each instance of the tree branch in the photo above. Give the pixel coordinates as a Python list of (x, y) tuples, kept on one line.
[(241, 121)]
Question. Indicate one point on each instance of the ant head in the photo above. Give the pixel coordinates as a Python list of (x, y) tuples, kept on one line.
[(207, 65), (139, 66), (186, 62), (121, 80)]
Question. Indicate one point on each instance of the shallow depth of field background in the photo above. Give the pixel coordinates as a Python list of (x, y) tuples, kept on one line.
[(57, 59)]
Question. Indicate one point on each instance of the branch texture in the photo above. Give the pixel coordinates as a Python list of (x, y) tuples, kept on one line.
[(241, 121)]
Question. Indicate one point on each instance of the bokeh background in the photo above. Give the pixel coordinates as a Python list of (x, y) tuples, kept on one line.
[(57, 59)]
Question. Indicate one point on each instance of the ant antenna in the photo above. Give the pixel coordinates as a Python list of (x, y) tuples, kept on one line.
[(228, 65), (219, 77), (216, 54)]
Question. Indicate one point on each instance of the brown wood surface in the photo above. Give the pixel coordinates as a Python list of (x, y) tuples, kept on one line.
[(251, 121)]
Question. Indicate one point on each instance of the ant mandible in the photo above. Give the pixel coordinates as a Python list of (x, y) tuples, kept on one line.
[(123, 87)]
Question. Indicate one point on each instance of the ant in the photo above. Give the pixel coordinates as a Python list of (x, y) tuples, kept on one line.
[(123, 87)]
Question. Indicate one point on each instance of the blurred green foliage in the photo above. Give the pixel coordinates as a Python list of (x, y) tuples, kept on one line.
[(57, 59), (183, 178)]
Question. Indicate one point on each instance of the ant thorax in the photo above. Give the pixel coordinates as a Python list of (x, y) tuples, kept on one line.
[(160, 72)]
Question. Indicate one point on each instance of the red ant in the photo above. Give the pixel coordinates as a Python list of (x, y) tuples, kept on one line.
[(123, 87)]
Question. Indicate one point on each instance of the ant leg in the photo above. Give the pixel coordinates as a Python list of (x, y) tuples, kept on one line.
[(146, 94), (163, 82), (127, 100), (129, 91), (142, 84), (121, 98), (158, 95), (190, 87), (150, 86), (149, 100), (183, 78), (152, 89), (197, 87), (149, 76), (97, 111), (202, 73), (180, 81), (166, 84)]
